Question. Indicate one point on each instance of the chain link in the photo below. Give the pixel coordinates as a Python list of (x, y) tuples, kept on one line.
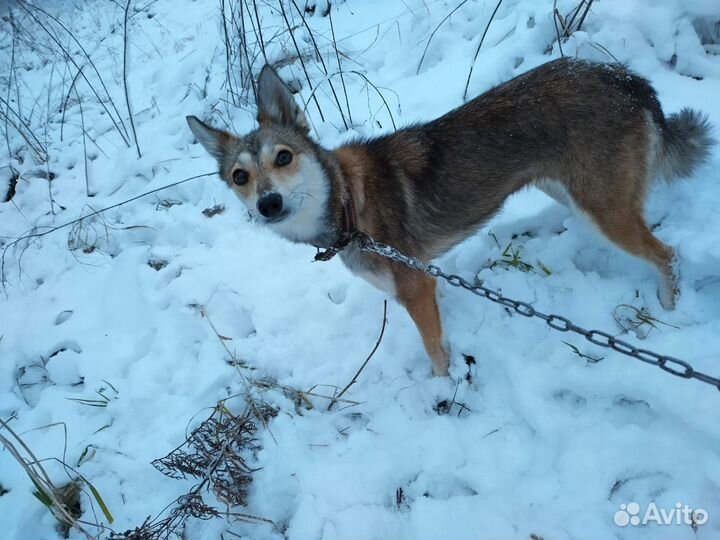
[(674, 366)]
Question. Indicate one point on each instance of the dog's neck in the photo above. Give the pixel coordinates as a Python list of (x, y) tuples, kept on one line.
[(343, 210), (349, 215)]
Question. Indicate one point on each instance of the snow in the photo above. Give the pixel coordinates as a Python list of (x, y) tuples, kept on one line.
[(547, 444)]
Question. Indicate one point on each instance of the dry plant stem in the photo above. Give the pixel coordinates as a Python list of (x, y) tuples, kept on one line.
[(65, 103), (206, 473), (387, 107), (235, 76), (365, 363), (125, 85), (37, 98), (318, 55), (244, 49), (269, 384), (259, 31), (228, 47), (10, 77), (567, 26), (78, 220), (322, 63), (246, 384), (85, 157), (47, 123), (102, 210), (432, 34), (588, 4), (37, 474), (601, 48), (559, 18), (337, 56), (556, 18), (299, 54), (123, 132), (477, 51), (18, 96), (582, 18), (26, 133), (92, 64)]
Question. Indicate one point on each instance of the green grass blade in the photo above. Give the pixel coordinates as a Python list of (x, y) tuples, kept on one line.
[(100, 501)]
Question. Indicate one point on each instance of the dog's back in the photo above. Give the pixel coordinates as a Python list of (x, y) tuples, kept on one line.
[(590, 134), (596, 129)]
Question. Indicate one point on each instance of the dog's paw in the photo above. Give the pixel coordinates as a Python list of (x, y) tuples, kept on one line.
[(668, 296), (440, 370)]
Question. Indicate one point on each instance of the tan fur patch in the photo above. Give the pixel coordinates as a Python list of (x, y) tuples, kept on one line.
[(417, 293)]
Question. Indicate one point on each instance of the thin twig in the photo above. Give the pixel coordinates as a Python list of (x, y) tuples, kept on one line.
[(39, 476), (65, 103), (259, 31), (246, 383), (556, 17), (432, 34), (337, 56), (302, 62), (35, 235), (604, 49), (244, 47), (10, 77), (35, 144), (582, 18), (48, 174), (322, 62), (387, 107), (365, 363), (261, 383), (123, 133), (97, 212), (568, 24), (228, 52), (84, 137), (125, 85), (477, 51)]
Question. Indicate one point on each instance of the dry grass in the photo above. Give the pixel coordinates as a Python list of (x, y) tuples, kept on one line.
[(64, 501)]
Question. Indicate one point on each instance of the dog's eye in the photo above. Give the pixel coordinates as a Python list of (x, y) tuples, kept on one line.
[(284, 157), (239, 177)]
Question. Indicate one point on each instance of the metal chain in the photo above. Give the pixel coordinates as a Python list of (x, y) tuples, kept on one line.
[(674, 366)]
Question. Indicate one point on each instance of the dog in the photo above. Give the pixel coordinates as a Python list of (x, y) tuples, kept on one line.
[(593, 136)]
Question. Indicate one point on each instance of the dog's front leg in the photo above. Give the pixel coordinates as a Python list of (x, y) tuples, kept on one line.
[(416, 292)]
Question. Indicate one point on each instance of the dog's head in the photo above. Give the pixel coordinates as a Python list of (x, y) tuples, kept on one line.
[(275, 170)]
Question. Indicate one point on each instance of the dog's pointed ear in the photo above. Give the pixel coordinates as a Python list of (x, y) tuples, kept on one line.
[(276, 104), (215, 141)]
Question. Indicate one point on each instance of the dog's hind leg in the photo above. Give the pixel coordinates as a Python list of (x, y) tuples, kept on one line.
[(626, 228), (416, 292), (612, 191)]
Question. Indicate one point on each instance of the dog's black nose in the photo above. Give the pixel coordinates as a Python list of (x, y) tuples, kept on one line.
[(270, 205)]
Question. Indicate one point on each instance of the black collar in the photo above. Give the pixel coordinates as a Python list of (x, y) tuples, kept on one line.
[(348, 229)]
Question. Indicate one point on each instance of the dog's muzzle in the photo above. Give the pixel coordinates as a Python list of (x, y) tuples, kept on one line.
[(270, 207)]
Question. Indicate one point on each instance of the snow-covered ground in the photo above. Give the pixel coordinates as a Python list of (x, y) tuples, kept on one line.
[(545, 441)]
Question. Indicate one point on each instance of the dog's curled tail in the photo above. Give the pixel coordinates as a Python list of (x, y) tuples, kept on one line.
[(686, 143)]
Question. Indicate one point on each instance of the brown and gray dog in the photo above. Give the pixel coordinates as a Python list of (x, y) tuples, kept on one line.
[(593, 136)]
